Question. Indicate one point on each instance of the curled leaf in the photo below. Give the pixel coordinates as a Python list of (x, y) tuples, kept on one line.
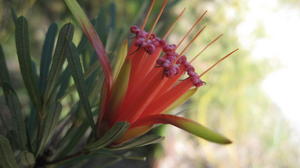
[(185, 124)]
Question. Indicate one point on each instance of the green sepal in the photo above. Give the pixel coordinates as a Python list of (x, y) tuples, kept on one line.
[(120, 59)]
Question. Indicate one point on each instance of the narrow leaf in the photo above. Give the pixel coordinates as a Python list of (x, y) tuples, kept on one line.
[(13, 103), (65, 35), (139, 142), (94, 39), (72, 138), (185, 124), (109, 137), (6, 154), (76, 70), (25, 62), (47, 56)]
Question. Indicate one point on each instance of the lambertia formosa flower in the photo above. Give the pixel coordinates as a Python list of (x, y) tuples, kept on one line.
[(149, 80)]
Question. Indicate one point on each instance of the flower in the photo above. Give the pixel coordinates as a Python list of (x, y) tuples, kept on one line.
[(149, 80)]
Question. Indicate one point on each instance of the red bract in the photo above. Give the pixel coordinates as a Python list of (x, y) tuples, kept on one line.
[(153, 78)]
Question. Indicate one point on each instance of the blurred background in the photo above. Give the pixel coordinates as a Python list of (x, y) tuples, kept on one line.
[(251, 97)]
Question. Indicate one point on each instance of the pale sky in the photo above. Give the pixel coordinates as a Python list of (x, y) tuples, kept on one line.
[(280, 45)]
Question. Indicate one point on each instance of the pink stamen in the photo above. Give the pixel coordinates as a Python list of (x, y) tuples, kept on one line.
[(159, 15), (190, 43), (209, 44), (194, 25), (148, 14), (219, 61), (171, 28)]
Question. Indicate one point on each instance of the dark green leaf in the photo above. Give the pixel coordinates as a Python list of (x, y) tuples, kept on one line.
[(76, 71), (6, 154), (139, 142), (13, 103), (65, 35), (14, 15), (71, 139), (25, 62), (4, 76), (27, 159), (47, 56), (110, 136)]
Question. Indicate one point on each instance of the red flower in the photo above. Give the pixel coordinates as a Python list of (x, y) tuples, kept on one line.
[(152, 78)]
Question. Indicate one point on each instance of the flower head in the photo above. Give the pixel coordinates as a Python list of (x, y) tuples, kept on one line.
[(149, 80)]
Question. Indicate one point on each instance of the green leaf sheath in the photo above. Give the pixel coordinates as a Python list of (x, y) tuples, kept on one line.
[(13, 104), (25, 62), (47, 56), (7, 159)]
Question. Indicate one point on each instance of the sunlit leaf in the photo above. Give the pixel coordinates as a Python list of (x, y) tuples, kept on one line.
[(122, 53)]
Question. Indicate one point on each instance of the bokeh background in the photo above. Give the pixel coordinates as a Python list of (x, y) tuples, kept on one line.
[(252, 97)]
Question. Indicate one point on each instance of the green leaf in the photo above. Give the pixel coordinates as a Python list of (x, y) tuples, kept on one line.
[(25, 62), (13, 104), (47, 56), (4, 76), (13, 14), (110, 136), (65, 35), (27, 159), (139, 142), (6, 154), (76, 71), (71, 139)]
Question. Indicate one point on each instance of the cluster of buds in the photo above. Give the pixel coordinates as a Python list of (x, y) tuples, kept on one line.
[(172, 62), (147, 41)]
